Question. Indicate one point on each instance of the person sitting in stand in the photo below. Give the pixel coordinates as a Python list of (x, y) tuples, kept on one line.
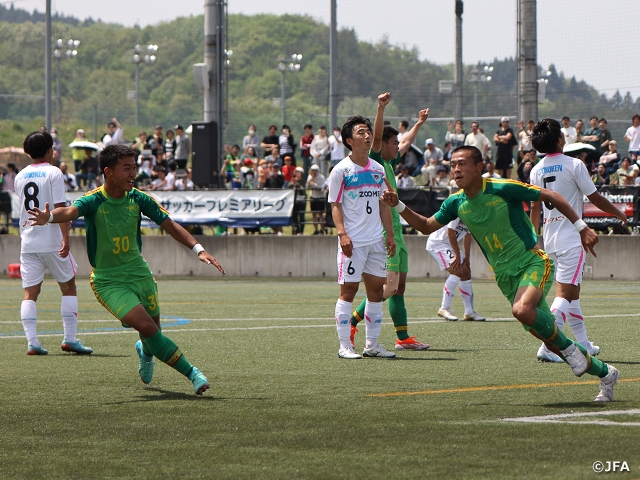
[(601, 177)]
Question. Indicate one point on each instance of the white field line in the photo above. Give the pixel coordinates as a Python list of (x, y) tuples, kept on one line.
[(566, 418), (298, 319), (268, 319)]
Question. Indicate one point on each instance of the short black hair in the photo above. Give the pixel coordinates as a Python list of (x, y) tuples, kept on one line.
[(286, 126), (309, 126), (386, 122), (566, 118), (545, 135), (635, 116), (37, 144), (388, 133), (474, 152), (404, 123), (604, 120), (173, 166), (347, 128), (593, 118), (235, 145), (111, 154), (272, 126)]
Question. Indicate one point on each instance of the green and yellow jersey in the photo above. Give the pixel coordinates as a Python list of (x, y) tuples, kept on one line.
[(496, 219), (390, 174), (113, 225)]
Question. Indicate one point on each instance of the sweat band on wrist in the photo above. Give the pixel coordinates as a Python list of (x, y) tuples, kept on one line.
[(197, 248), (400, 207), (580, 225), (50, 218)]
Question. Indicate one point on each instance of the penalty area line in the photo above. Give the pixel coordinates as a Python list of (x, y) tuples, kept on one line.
[(486, 388)]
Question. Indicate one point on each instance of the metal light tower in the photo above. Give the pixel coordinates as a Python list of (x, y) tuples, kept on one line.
[(458, 71), (138, 58), (333, 66), (47, 66), (479, 74), (71, 52), (283, 67)]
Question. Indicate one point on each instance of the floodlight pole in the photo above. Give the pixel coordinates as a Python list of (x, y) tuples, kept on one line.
[(47, 67), (333, 66), (528, 57), (458, 72)]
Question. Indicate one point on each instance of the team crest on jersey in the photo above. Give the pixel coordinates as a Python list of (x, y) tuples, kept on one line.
[(352, 195), (376, 177)]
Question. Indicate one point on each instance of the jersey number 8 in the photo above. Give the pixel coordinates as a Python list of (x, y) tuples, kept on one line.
[(31, 197)]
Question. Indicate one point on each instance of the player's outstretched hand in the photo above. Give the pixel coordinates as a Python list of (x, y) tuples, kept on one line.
[(390, 243), (389, 196), (589, 239), (346, 245), (39, 217), (623, 218), (210, 260), (384, 99), (423, 115)]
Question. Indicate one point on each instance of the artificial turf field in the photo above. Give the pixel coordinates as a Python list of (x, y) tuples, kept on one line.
[(282, 405)]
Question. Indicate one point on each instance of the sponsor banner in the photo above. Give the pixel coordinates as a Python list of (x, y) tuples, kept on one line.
[(624, 198), (230, 208)]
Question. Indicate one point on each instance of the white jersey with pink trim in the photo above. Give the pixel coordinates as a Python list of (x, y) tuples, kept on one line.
[(439, 240), (359, 189), (36, 185), (569, 177)]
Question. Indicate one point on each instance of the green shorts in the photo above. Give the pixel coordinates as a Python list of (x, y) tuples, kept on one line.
[(400, 261), (120, 289), (534, 269)]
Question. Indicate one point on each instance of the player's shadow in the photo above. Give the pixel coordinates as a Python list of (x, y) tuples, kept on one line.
[(432, 359), (166, 395), (616, 362), (92, 355), (565, 405), (451, 350)]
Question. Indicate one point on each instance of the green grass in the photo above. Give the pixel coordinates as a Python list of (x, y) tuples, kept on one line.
[(282, 405)]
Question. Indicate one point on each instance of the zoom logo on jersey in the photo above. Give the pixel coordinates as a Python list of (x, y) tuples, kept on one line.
[(370, 193)]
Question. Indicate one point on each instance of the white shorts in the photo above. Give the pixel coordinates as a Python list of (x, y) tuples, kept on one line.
[(33, 265), (444, 257), (370, 259), (569, 265)]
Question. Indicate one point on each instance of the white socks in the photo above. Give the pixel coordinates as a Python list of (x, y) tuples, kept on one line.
[(29, 316), (560, 309), (343, 323), (466, 293), (69, 311), (373, 322), (448, 291), (576, 323)]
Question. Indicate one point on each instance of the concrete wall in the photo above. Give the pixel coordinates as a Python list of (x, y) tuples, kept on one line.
[(272, 256)]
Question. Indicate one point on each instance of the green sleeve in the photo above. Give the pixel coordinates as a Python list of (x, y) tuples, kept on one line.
[(150, 208), (514, 191), (448, 210), (86, 205)]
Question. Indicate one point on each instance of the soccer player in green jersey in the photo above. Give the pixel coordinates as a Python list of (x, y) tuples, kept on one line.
[(387, 151), (121, 279), (492, 210)]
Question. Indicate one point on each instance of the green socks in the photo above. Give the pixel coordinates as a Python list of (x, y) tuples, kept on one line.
[(164, 349), (545, 326), (398, 313), (145, 349)]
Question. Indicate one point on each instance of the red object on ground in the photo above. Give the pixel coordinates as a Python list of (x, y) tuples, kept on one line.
[(14, 270)]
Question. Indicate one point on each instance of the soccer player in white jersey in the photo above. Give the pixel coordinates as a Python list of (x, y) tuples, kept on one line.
[(45, 247), (355, 190), (569, 177), (443, 246)]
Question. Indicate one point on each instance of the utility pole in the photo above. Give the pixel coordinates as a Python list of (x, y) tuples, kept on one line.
[(333, 67), (528, 102), (47, 68), (458, 73)]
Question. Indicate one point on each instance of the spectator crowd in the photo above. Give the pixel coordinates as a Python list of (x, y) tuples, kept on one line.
[(278, 161)]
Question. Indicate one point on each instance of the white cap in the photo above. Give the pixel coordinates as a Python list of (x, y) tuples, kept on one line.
[(314, 167), (504, 119), (429, 141)]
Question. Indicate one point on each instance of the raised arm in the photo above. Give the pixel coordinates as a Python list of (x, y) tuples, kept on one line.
[(181, 235), (378, 124), (411, 135)]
